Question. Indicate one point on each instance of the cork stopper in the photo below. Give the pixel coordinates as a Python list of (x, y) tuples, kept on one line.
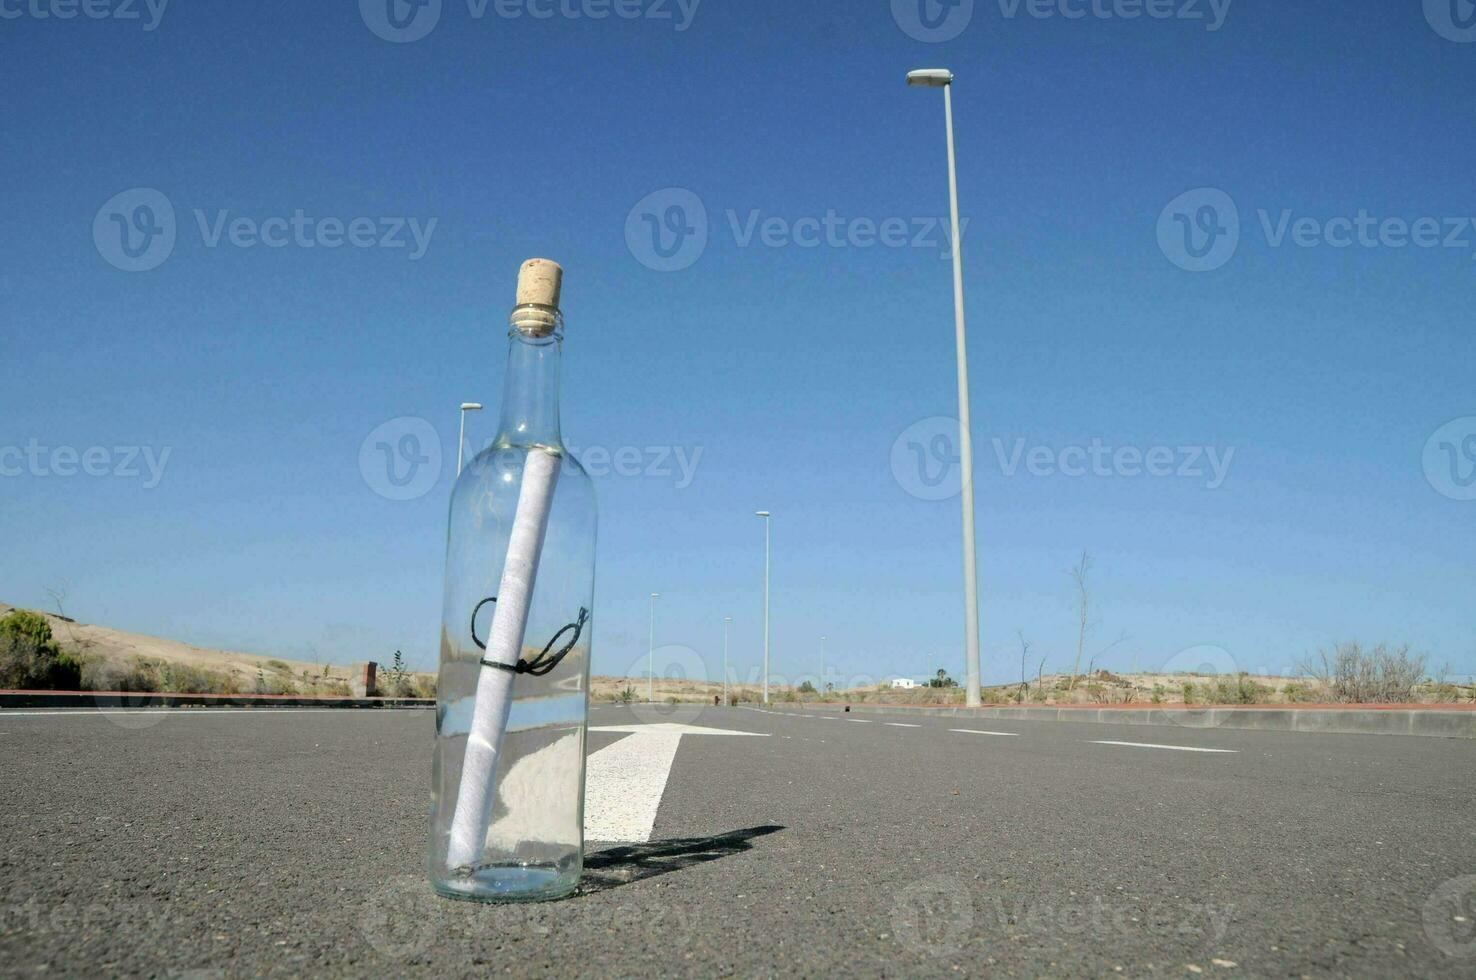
[(537, 313), (539, 281)]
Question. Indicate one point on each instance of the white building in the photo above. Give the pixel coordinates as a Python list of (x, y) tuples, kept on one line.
[(904, 683)]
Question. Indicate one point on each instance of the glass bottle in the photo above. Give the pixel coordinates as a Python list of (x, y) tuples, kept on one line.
[(507, 813)]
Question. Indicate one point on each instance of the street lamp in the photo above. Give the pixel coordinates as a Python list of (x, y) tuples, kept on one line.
[(651, 654), (727, 621), (461, 442), (766, 516), (943, 78), (822, 665)]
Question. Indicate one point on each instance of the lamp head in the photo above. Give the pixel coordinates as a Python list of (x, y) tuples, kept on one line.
[(471, 406), (930, 77), (760, 513)]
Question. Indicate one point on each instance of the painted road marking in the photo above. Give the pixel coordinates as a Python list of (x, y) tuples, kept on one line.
[(624, 782), (860, 721), (978, 731), (1154, 745), (182, 712), (900, 724)]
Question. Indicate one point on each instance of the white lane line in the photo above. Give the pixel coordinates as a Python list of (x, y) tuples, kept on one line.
[(624, 782), (860, 721), (182, 712), (900, 724), (979, 731), (1154, 745)]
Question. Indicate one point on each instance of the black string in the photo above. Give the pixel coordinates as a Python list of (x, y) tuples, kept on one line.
[(543, 663)]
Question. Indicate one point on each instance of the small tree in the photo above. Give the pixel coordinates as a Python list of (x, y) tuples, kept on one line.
[(807, 688), (1083, 611), (30, 659), (941, 679)]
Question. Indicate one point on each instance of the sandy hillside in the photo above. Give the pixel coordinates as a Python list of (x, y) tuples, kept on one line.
[(117, 646)]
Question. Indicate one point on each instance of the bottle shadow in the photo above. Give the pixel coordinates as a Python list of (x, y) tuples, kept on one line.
[(629, 863)]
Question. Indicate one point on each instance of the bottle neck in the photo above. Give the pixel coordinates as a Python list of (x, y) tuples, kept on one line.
[(530, 392)]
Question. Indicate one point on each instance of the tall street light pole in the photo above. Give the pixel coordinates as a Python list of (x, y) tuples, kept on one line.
[(727, 621), (943, 78), (822, 665), (461, 442), (651, 654), (767, 552)]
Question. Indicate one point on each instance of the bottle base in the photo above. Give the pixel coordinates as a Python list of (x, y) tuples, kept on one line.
[(511, 883)]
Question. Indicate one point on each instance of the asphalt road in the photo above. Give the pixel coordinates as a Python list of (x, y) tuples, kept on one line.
[(249, 843)]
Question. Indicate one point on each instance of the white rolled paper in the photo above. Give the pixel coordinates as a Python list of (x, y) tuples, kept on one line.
[(479, 768)]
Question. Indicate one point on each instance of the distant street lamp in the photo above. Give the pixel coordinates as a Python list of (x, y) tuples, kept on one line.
[(461, 442), (651, 654), (767, 517), (943, 78), (822, 665), (727, 621)]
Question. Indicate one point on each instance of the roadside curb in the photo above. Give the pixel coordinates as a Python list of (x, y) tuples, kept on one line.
[(125, 699), (1443, 722)]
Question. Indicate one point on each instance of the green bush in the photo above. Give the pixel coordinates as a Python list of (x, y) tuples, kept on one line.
[(1296, 692), (30, 659), (1239, 690), (807, 688), (1189, 692)]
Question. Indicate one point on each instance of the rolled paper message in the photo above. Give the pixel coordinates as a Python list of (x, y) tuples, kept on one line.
[(479, 768)]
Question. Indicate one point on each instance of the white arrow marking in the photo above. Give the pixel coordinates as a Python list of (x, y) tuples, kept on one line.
[(624, 782)]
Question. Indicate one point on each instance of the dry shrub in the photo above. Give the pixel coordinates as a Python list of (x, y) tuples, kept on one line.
[(1382, 675)]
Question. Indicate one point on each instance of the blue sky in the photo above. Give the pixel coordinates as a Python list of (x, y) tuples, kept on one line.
[(1322, 349)]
